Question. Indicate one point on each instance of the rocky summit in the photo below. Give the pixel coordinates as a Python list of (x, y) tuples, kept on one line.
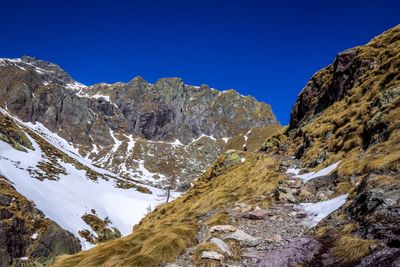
[(149, 132)]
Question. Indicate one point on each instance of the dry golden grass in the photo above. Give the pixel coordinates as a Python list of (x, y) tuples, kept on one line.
[(235, 248), (165, 247), (349, 249), (219, 218), (347, 229), (343, 188), (207, 246), (256, 138)]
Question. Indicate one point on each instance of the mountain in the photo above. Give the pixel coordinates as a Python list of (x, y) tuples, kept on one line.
[(142, 131), (324, 191), (76, 161)]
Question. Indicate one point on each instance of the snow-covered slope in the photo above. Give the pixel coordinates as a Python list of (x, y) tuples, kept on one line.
[(71, 193)]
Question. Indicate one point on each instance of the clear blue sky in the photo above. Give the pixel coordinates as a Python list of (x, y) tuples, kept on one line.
[(268, 49)]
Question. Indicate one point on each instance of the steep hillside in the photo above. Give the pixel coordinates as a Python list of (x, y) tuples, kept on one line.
[(148, 132), (325, 191)]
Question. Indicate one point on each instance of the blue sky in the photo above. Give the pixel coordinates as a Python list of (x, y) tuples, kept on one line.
[(268, 49)]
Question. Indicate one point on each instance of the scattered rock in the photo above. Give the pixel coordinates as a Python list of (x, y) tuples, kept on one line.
[(244, 238), (223, 228), (242, 207), (258, 214), (277, 238), (212, 255), (301, 215), (384, 257), (203, 234), (222, 246), (5, 200)]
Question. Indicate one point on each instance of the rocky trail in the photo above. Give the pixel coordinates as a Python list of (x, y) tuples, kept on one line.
[(253, 232)]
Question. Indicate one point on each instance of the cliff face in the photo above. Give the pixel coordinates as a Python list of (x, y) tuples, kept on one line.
[(335, 169), (133, 128)]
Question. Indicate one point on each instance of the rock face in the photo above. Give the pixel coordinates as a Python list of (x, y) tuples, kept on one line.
[(299, 251), (26, 236), (137, 129)]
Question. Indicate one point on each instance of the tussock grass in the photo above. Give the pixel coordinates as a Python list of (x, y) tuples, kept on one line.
[(235, 248), (207, 246), (349, 228), (164, 247), (219, 218), (349, 249)]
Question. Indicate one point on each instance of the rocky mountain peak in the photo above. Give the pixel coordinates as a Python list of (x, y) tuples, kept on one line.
[(136, 121)]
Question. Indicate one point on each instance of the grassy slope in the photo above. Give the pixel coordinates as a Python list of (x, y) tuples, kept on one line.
[(339, 130)]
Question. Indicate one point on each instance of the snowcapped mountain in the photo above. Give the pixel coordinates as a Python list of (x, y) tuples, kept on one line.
[(142, 131)]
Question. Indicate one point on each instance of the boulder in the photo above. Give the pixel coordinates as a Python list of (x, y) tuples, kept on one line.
[(5, 200), (223, 228), (299, 251), (244, 238), (258, 214), (212, 255), (222, 246), (383, 257)]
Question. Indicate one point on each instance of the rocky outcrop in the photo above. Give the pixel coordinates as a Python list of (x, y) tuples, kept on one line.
[(327, 86), (101, 228), (348, 112), (26, 235), (300, 251), (137, 129)]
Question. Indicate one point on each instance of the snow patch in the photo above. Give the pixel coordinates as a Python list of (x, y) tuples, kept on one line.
[(176, 143), (226, 139), (131, 143), (203, 135), (320, 210), (34, 236), (312, 175), (246, 135)]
